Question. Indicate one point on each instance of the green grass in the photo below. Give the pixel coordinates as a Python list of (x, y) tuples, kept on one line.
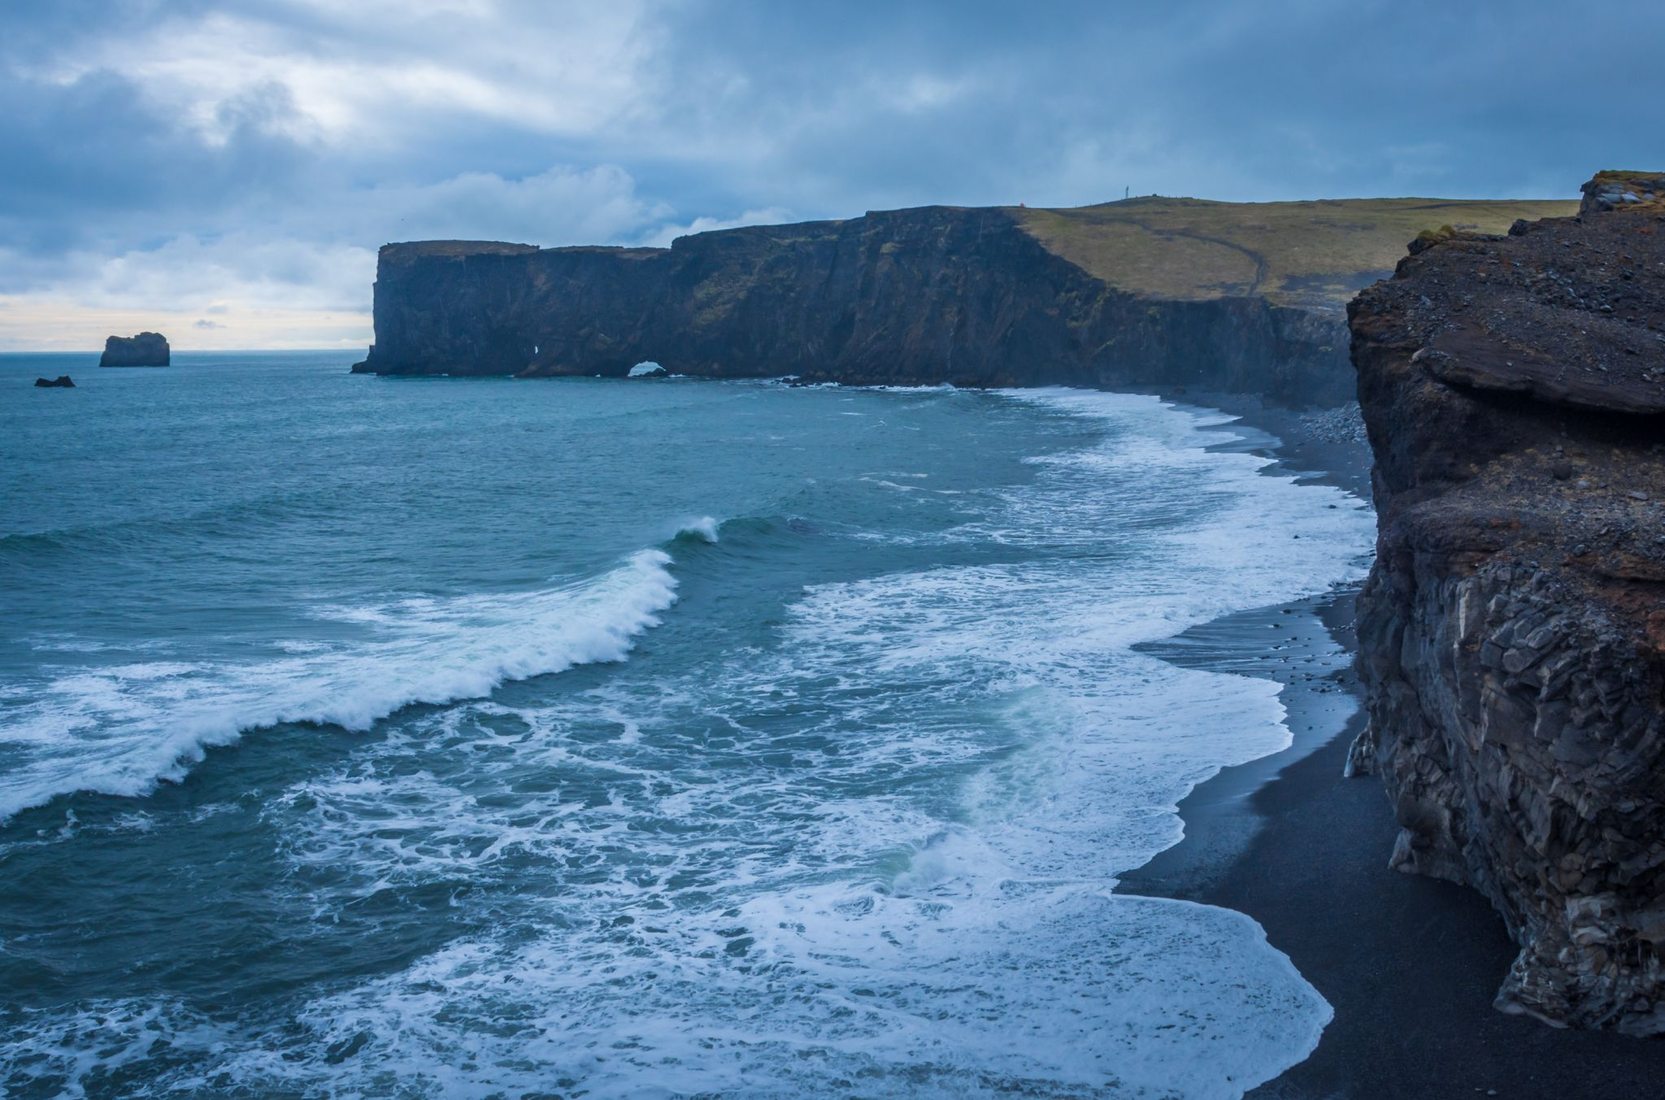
[(1315, 254)]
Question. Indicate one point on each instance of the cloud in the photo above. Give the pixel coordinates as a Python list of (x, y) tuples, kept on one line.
[(662, 236), (314, 259), (180, 156), (559, 205), (373, 72)]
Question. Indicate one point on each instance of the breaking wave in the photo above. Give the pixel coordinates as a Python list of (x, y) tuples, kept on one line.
[(122, 729)]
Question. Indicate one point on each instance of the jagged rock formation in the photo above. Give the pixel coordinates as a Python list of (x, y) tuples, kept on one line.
[(1512, 631), (975, 297), (147, 349), (62, 382)]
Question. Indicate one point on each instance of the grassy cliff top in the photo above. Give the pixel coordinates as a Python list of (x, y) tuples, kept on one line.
[(416, 250), (1314, 254)]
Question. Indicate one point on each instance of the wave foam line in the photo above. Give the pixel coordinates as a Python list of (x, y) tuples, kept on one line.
[(122, 730)]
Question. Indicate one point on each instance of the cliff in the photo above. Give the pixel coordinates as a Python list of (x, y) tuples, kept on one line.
[(147, 349), (1512, 630), (1137, 294)]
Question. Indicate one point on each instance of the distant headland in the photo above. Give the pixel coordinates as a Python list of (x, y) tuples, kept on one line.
[(1163, 293)]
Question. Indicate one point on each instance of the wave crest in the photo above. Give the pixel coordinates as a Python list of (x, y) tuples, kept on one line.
[(704, 529), (121, 730)]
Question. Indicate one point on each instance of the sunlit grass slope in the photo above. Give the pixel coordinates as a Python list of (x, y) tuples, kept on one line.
[(1315, 254)]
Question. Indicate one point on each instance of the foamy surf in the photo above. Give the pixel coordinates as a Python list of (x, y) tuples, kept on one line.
[(853, 830), (123, 729)]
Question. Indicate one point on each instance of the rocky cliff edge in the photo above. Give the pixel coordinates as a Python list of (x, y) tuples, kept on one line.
[(1512, 631)]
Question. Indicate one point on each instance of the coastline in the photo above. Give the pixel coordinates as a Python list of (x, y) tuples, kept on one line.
[(1409, 964)]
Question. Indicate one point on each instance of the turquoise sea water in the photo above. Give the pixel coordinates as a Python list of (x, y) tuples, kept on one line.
[(398, 737)]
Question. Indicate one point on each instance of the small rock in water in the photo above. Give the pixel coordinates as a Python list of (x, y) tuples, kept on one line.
[(61, 382)]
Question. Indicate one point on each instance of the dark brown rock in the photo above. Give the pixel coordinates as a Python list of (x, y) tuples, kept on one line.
[(147, 349), (62, 382), (1510, 633)]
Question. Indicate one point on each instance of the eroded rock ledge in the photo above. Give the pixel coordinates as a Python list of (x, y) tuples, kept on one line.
[(1512, 631)]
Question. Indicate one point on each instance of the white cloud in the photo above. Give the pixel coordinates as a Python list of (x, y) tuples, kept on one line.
[(304, 279), (662, 236), (249, 157), (369, 74), (558, 206)]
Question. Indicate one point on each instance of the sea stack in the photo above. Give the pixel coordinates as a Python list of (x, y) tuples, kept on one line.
[(147, 349), (1512, 631), (62, 382)]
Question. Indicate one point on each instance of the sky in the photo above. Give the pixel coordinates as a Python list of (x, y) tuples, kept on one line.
[(224, 172)]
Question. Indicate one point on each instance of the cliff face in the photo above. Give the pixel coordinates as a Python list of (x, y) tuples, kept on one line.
[(147, 349), (908, 297), (1512, 631)]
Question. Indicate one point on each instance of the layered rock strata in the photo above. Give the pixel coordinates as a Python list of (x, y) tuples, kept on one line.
[(147, 349), (908, 297), (1512, 631)]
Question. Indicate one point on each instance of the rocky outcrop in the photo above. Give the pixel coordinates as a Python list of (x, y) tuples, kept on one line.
[(62, 382), (1512, 631), (147, 349), (909, 297), (1620, 190)]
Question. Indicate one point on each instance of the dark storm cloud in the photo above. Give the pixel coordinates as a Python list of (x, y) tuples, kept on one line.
[(92, 150), (260, 151), (1066, 103)]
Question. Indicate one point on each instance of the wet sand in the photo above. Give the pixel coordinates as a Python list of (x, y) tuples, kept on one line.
[(1410, 964)]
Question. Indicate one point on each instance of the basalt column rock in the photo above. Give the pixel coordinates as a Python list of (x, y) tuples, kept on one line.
[(147, 349), (1512, 631), (907, 297)]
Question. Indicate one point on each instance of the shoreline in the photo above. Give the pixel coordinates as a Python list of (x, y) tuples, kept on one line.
[(1409, 964)]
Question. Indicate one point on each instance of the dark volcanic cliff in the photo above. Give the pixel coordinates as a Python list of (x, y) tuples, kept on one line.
[(920, 296), (1512, 631), (147, 349)]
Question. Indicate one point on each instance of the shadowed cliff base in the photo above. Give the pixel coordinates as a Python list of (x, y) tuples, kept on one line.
[(1145, 293)]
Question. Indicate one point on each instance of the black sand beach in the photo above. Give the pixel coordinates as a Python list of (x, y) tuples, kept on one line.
[(1410, 964)]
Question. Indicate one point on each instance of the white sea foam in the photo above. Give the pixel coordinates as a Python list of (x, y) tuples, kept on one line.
[(119, 730), (875, 860)]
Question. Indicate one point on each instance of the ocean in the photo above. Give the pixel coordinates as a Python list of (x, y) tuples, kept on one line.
[(624, 738)]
